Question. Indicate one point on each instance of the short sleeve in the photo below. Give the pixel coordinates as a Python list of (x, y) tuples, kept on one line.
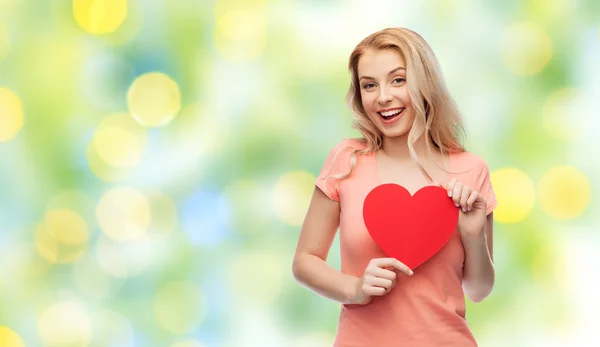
[(337, 164), (484, 184)]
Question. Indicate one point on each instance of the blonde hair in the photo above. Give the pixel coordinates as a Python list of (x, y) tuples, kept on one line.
[(436, 114)]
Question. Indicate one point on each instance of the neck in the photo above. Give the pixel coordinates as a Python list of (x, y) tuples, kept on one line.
[(397, 147)]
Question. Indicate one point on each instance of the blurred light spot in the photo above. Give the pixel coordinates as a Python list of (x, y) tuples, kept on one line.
[(111, 165), (249, 207), (125, 259), (123, 214), (315, 340), (112, 329), (526, 48), (256, 278), (515, 194), (560, 113), (164, 214), (224, 6), (564, 192), (93, 280), (11, 114), (9, 338), (65, 323), (4, 41), (154, 99), (187, 343), (560, 10), (99, 16), (124, 121), (205, 216), (549, 267), (292, 196), (104, 171), (62, 236), (179, 307), (240, 35), (117, 147)]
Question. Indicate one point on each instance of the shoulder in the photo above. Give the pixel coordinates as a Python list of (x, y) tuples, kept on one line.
[(347, 146), (468, 161), (351, 143)]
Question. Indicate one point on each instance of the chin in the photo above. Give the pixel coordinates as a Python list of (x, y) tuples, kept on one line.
[(392, 134)]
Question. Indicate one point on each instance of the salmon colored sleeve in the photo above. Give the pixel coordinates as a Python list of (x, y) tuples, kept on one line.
[(484, 185), (337, 163)]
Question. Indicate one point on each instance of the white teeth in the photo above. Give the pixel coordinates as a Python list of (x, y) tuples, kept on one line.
[(390, 113)]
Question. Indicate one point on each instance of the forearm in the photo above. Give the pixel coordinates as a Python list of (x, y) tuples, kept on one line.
[(315, 274), (478, 272)]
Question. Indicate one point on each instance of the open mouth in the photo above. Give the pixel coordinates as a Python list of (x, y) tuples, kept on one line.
[(390, 116)]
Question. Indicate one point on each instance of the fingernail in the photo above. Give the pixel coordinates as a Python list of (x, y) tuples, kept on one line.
[(464, 209), (456, 204), (449, 193), (469, 209), (411, 272)]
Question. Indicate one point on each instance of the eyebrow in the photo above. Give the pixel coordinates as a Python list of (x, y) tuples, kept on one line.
[(389, 73)]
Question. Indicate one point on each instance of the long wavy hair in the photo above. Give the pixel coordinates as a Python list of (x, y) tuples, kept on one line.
[(437, 118)]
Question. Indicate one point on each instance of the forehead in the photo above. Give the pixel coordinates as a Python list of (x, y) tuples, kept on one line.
[(380, 62)]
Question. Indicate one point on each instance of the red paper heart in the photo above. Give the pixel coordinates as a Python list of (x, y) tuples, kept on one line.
[(409, 228)]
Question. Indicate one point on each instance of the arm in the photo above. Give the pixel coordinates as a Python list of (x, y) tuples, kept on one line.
[(316, 236), (478, 272)]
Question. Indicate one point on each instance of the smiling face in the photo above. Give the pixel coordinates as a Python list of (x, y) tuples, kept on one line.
[(384, 93)]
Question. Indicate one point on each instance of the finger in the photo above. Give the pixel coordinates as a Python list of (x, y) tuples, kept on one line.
[(464, 196), (471, 200), (395, 263), (380, 282), (456, 193), (384, 273), (374, 291), (450, 187), (402, 267)]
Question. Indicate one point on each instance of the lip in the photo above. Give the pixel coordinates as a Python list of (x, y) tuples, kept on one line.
[(390, 109), (392, 120)]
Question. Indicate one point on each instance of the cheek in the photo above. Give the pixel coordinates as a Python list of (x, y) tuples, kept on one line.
[(405, 96), (367, 102)]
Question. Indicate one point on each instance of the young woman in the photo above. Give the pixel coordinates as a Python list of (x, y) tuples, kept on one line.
[(411, 137)]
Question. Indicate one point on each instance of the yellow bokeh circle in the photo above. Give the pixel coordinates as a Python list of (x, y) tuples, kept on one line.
[(9, 338), (241, 35), (515, 194), (62, 236), (11, 114), (526, 48), (564, 192), (154, 99), (118, 147), (99, 16), (123, 214)]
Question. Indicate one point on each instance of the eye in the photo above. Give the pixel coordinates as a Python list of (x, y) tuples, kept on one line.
[(399, 80), (368, 85)]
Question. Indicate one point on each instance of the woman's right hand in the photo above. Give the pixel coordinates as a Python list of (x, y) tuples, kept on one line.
[(378, 279)]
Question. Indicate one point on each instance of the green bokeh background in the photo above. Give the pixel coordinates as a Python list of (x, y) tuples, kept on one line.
[(263, 87)]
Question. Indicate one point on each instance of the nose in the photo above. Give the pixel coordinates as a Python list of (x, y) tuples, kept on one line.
[(384, 97)]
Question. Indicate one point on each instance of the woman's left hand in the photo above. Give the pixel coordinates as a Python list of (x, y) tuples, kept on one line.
[(472, 215)]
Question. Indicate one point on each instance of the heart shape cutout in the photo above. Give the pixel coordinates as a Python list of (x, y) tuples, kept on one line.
[(409, 228)]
